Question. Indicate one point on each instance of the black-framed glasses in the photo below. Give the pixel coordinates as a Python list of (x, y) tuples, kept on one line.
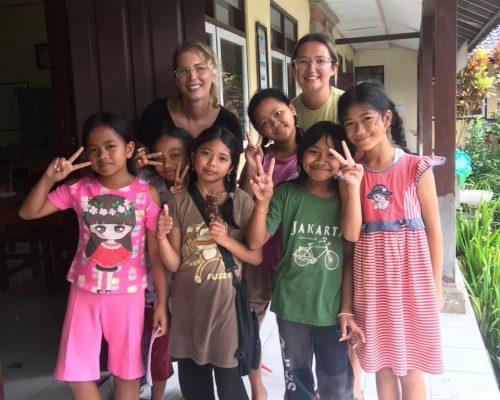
[(183, 72), (302, 63)]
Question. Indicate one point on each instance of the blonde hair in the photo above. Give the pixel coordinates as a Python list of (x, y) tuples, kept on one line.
[(208, 57)]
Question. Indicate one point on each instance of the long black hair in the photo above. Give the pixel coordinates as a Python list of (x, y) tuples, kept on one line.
[(313, 135), (278, 95), (117, 123), (235, 149), (373, 95)]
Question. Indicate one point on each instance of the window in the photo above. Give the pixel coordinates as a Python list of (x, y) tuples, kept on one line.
[(229, 12), (232, 54), (283, 30), (375, 72), (283, 39), (283, 79)]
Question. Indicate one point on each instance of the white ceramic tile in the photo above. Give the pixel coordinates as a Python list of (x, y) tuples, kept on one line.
[(463, 386), (466, 360), (462, 337)]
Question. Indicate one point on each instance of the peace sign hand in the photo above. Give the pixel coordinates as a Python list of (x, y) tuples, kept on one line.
[(61, 167), (180, 179), (142, 159), (252, 151), (352, 172), (262, 183), (164, 224)]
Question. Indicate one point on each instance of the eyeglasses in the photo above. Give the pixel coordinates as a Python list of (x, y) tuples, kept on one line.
[(303, 63), (199, 69)]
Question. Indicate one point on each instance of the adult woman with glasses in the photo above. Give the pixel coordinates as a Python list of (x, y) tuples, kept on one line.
[(314, 63), (196, 106)]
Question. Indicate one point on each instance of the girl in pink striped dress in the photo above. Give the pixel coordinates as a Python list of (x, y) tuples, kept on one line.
[(398, 259)]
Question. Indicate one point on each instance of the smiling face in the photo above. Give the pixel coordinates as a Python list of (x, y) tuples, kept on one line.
[(200, 76), (212, 161), (365, 127), (275, 120), (318, 163), (107, 151), (314, 77), (173, 154)]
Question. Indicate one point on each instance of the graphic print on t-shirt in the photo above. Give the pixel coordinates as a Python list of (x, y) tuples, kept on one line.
[(110, 219), (201, 244), (316, 248), (380, 196)]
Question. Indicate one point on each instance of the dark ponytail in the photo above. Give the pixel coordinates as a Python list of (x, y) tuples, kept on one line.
[(373, 95), (230, 183)]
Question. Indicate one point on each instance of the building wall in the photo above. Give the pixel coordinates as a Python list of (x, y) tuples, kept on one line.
[(400, 76), (21, 28), (260, 11)]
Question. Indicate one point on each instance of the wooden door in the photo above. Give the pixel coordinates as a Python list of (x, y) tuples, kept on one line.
[(114, 55)]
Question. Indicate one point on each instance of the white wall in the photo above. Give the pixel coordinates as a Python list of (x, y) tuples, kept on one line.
[(400, 76)]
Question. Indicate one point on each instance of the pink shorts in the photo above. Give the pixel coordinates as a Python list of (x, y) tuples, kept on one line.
[(119, 317)]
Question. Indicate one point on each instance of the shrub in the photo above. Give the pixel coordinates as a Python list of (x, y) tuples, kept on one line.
[(478, 254)]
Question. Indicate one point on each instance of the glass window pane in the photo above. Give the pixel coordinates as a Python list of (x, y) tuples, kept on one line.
[(232, 78), (276, 20), (289, 29), (277, 69)]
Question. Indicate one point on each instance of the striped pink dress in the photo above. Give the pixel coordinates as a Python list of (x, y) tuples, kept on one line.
[(394, 292)]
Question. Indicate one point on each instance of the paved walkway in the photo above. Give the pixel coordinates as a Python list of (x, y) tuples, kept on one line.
[(30, 331)]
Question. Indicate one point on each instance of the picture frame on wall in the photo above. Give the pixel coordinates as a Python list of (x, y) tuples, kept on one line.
[(262, 64), (42, 55)]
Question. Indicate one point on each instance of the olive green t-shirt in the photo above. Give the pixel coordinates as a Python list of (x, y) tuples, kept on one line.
[(307, 280), (327, 112)]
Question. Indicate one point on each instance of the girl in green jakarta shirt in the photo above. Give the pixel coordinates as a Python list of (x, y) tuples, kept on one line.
[(312, 285)]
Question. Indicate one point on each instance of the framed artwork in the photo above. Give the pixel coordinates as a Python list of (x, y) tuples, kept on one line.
[(42, 55), (9, 105), (262, 66)]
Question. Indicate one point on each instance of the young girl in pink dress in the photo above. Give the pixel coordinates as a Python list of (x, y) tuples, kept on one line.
[(116, 213), (398, 259)]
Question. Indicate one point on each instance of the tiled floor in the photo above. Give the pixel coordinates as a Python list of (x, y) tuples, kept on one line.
[(30, 325)]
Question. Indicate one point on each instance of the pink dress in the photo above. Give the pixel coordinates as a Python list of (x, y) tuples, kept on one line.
[(394, 291)]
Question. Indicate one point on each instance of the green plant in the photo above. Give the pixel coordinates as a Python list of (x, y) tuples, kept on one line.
[(478, 254), (483, 148)]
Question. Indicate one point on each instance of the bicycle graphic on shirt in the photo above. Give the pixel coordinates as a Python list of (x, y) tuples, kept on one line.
[(304, 255)]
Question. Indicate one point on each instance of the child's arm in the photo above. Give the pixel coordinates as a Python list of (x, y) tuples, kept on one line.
[(160, 279), (240, 250), (262, 187), (169, 239), (427, 196), (36, 205), (352, 172), (346, 316)]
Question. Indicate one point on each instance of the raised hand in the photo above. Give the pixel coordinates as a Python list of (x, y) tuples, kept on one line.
[(143, 159), (61, 167), (252, 151), (164, 224), (218, 231), (180, 179), (352, 172), (262, 182)]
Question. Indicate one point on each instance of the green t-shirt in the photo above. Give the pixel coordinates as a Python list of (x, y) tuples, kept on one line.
[(307, 280)]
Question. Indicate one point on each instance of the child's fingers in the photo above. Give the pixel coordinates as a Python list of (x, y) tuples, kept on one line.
[(165, 210), (81, 165), (338, 156), (259, 141), (183, 173), (271, 167), (347, 153), (249, 138), (75, 155)]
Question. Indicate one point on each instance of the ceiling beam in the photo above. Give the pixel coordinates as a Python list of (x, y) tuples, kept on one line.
[(378, 38), (485, 30)]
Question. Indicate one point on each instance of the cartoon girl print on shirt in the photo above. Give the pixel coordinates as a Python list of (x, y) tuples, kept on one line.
[(110, 219), (381, 196)]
